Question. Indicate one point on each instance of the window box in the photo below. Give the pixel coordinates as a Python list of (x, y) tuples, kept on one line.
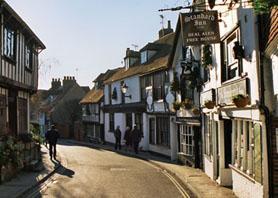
[(195, 111), (209, 104), (241, 100)]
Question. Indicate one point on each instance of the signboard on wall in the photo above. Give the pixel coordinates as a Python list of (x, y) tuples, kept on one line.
[(200, 28)]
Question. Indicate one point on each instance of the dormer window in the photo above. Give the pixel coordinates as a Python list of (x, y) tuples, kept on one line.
[(127, 63), (144, 56)]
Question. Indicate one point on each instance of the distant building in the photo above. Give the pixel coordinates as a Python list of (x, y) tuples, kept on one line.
[(60, 105), (126, 95), (20, 49), (92, 113)]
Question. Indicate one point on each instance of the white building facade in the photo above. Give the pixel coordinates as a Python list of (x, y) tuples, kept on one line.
[(235, 140)]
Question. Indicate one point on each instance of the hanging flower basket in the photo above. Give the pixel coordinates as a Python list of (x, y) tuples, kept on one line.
[(187, 103), (209, 104), (195, 111), (241, 100), (177, 106)]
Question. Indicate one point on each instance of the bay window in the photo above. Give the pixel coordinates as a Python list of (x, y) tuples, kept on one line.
[(247, 148)]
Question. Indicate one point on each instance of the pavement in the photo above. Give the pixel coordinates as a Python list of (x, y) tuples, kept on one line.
[(25, 181), (194, 181)]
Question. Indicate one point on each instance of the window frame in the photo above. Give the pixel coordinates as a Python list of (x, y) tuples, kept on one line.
[(9, 43), (230, 67), (163, 131), (28, 57), (187, 140), (111, 122)]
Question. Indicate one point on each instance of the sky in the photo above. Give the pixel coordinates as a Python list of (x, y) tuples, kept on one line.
[(84, 38)]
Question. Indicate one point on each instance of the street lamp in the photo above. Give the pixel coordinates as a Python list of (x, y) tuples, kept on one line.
[(124, 89)]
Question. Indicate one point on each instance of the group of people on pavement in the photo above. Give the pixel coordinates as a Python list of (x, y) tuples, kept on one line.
[(132, 138)]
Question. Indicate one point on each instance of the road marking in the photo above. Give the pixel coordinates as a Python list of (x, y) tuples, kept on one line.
[(118, 169), (174, 181)]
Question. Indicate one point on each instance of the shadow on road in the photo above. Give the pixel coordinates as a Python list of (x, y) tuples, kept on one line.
[(62, 170)]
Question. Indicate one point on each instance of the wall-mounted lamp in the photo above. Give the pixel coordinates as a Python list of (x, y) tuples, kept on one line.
[(124, 89)]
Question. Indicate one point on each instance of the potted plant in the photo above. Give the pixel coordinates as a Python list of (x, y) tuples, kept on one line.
[(187, 103), (241, 100), (177, 105), (209, 104), (195, 111), (175, 85)]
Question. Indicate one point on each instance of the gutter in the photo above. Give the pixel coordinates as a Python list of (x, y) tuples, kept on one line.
[(262, 105)]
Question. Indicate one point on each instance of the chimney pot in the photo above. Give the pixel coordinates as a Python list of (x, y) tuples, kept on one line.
[(169, 24)]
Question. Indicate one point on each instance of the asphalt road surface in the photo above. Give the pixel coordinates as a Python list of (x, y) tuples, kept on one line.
[(93, 172)]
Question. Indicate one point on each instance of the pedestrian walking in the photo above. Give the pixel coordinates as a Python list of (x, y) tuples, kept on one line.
[(137, 135), (118, 136), (52, 136), (128, 138)]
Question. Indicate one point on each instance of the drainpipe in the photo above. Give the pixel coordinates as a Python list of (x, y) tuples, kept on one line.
[(262, 105)]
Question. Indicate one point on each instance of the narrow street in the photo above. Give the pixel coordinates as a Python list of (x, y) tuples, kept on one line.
[(100, 173)]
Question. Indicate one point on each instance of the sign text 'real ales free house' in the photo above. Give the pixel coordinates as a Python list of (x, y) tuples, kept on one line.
[(200, 27)]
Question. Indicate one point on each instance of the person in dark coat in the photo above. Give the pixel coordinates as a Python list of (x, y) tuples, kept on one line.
[(52, 136), (128, 138), (136, 138), (118, 136)]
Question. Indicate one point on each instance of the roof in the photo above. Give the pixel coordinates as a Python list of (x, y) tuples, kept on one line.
[(158, 62), (93, 96), (175, 42), (20, 20), (106, 75), (271, 31), (85, 88)]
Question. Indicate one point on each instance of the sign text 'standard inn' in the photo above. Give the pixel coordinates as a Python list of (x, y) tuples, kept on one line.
[(200, 28)]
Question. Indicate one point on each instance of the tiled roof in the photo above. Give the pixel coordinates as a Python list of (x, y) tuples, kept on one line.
[(93, 96), (157, 62)]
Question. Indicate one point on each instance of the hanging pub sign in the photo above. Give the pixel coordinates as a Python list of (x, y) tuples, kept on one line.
[(200, 28)]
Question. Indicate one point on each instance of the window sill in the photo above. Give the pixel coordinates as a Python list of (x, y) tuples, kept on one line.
[(242, 173), (184, 154), (10, 60), (28, 69), (161, 145)]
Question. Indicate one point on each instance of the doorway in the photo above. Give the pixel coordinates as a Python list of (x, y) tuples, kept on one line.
[(228, 142), (12, 109), (128, 117)]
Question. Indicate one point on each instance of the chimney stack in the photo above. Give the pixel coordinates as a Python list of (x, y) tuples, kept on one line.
[(164, 32)]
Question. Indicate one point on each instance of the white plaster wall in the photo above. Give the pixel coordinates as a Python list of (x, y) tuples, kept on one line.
[(274, 59), (245, 188), (173, 138), (145, 141), (106, 95), (133, 84), (208, 167)]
